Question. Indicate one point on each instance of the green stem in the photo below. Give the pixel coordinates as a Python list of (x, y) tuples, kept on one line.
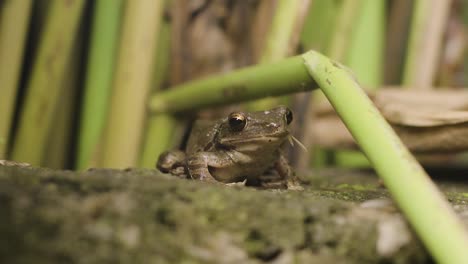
[(364, 55), (323, 13), (14, 19), (160, 127), (59, 139), (284, 77), (425, 207), (279, 35), (98, 84), (339, 44), (278, 44), (427, 31), (132, 81), (160, 131), (43, 89)]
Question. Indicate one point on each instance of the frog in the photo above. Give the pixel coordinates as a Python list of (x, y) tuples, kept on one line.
[(242, 148)]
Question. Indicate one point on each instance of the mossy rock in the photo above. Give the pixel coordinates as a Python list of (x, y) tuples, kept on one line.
[(141, 216)]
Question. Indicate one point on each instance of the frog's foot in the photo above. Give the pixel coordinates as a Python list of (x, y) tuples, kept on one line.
[(294, 185), (234, 184), (287, 174), (171, 161), (270, 180), (180, 172)]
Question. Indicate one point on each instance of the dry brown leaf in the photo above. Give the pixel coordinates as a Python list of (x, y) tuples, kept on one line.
[(426, 121)]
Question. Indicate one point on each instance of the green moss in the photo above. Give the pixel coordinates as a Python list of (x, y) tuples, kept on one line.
[(356, 187)]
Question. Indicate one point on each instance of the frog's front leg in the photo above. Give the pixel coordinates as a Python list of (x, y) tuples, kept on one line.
[(287, 173), (198, 165)]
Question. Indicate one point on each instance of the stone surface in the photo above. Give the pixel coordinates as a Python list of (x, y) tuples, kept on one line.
[(141, 216)]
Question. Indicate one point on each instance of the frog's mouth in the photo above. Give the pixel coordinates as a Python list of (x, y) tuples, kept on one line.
[(252, 140), (249, 144)]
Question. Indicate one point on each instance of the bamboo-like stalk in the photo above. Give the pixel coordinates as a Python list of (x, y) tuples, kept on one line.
[(98, 84), (427, 31), (317, 35), (397, 35), (425, 207), (319, 24), (339, 44), (278, 43), (58, 146), (123, 133), (46, 78), (366, 48), (284, 77), (14, 19), (160, 127), (160, 132), (279, 36), (260, 25)]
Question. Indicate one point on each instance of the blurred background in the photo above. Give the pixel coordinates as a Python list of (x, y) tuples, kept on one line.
[(76, 75)]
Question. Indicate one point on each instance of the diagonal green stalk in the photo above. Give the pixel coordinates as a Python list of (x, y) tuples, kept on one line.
[(425, 207), (98, 83), (284, 77)]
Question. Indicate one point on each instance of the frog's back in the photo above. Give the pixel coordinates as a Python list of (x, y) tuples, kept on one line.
[(202, 136)]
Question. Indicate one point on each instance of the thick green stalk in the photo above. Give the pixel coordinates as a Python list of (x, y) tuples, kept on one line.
[(124, 130), (98, 84), (44, 86), (425, 207), (284, 77), (14, 19)]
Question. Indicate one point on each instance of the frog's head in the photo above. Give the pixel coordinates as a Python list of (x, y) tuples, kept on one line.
[(255, 131)]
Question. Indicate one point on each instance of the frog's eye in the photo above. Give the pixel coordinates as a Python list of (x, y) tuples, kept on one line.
[(237, 121), (289, 116)]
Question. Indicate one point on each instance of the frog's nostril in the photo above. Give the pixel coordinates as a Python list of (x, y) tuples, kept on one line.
[(289, 116)]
